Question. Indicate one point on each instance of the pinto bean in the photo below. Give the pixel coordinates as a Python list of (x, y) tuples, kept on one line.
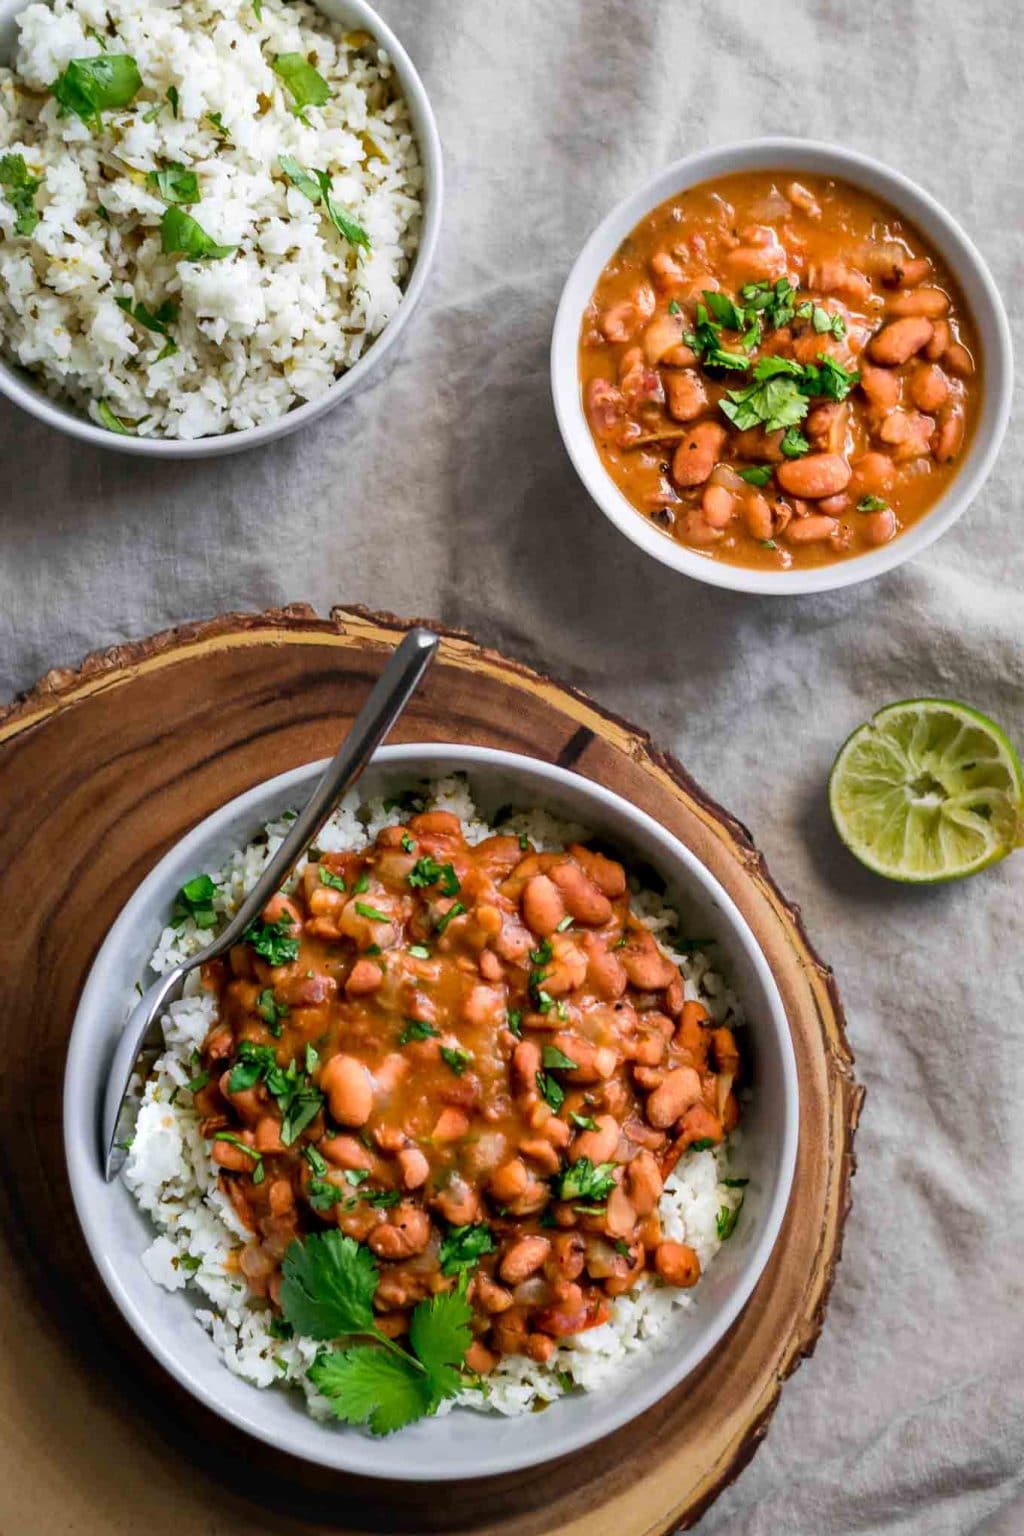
[(685, 396), (268, 1134), (696, 455), (696, 529), (816, 476), (593, 1062), (909, 433), (811, 530), (942, 336), (620, 1217), (718, 506), (523, 1258), (605, 973), (458, 1202), (757, 515), (581, 896), (837, 277), (879, 527), (677, 1264), (897, 342), (949, 437), (540, 1151), (958, 360), (365, 977), (598, 1145), (663, 333), (607, 874), (647, 968), (414, 1168), (451, 1125), (929, 387), (349, 1089), (761, 259), (405, 1232), (565, 1261), (347, 1152), (881, 386), (666, 271), (605, 407), (526, 1064), (480, 1359), (542, 906), (922, 301), (872, 473), (678, 1091), (493, 1298), (622, 321), (644, 1183), (509, 1181), (280, 906)]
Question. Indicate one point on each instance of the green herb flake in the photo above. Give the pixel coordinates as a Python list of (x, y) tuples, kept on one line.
[(455, 910), (110, 421), (179, 232), (725, 1221), (306, 183), (175, 184), (272, 941), (585, 1180), (372, 914), (455, 1058), (343, 222), (271, 1011), (757, 474), (416, 1029), (195, 900), (419, 951), (329, 878), (153, 320), (553, 1057), (583, 1122), (88, 87), (514, 1022), (463, 1247), (551, 1091), (306, 86), (872, 504), (20, 191)]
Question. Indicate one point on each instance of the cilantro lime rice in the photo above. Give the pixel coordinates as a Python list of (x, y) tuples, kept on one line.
[(208, 209)]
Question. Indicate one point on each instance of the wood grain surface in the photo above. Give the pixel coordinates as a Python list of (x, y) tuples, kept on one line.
[(101, 770)]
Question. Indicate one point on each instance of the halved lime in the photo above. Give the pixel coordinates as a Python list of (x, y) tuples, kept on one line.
[(927, 790)]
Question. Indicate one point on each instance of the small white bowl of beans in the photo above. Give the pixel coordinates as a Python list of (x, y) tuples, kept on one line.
[(781, 367)]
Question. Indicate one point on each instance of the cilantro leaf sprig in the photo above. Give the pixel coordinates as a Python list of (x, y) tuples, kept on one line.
[(306, 86), (153, 320), (180, 232), (272, 941), (20, 191), (316, 185), (327, 1293), (88, 87), (195, 900), (585, 1180)]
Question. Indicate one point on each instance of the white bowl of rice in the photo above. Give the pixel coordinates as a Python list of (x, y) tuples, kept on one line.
[(216, 216), (162, 1236)]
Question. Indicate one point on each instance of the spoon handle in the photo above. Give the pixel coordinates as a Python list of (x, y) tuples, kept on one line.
[(386, 702), (388, 699)]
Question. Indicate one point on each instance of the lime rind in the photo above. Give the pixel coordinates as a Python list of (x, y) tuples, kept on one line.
[(928, 790)]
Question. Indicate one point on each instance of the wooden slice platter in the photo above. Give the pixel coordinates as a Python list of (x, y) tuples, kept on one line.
[(101, 770)]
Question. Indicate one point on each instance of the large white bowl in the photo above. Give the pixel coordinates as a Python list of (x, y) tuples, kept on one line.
[(963, 260), (465, 1443), (20, 386)]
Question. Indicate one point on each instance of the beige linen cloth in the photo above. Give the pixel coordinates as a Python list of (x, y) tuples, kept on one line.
[(443, 490)]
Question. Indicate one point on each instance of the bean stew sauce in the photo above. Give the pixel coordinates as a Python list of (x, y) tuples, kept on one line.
[(779, 372), (477, 1061)]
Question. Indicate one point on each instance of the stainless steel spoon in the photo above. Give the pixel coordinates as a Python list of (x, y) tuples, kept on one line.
[(388, 699)]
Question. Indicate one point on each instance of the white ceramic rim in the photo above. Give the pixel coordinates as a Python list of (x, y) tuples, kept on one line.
[(80, 1123), (19, 388), (960, 254)]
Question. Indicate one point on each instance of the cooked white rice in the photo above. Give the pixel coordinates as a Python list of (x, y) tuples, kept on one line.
[(295, 305), (170, 1173)]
